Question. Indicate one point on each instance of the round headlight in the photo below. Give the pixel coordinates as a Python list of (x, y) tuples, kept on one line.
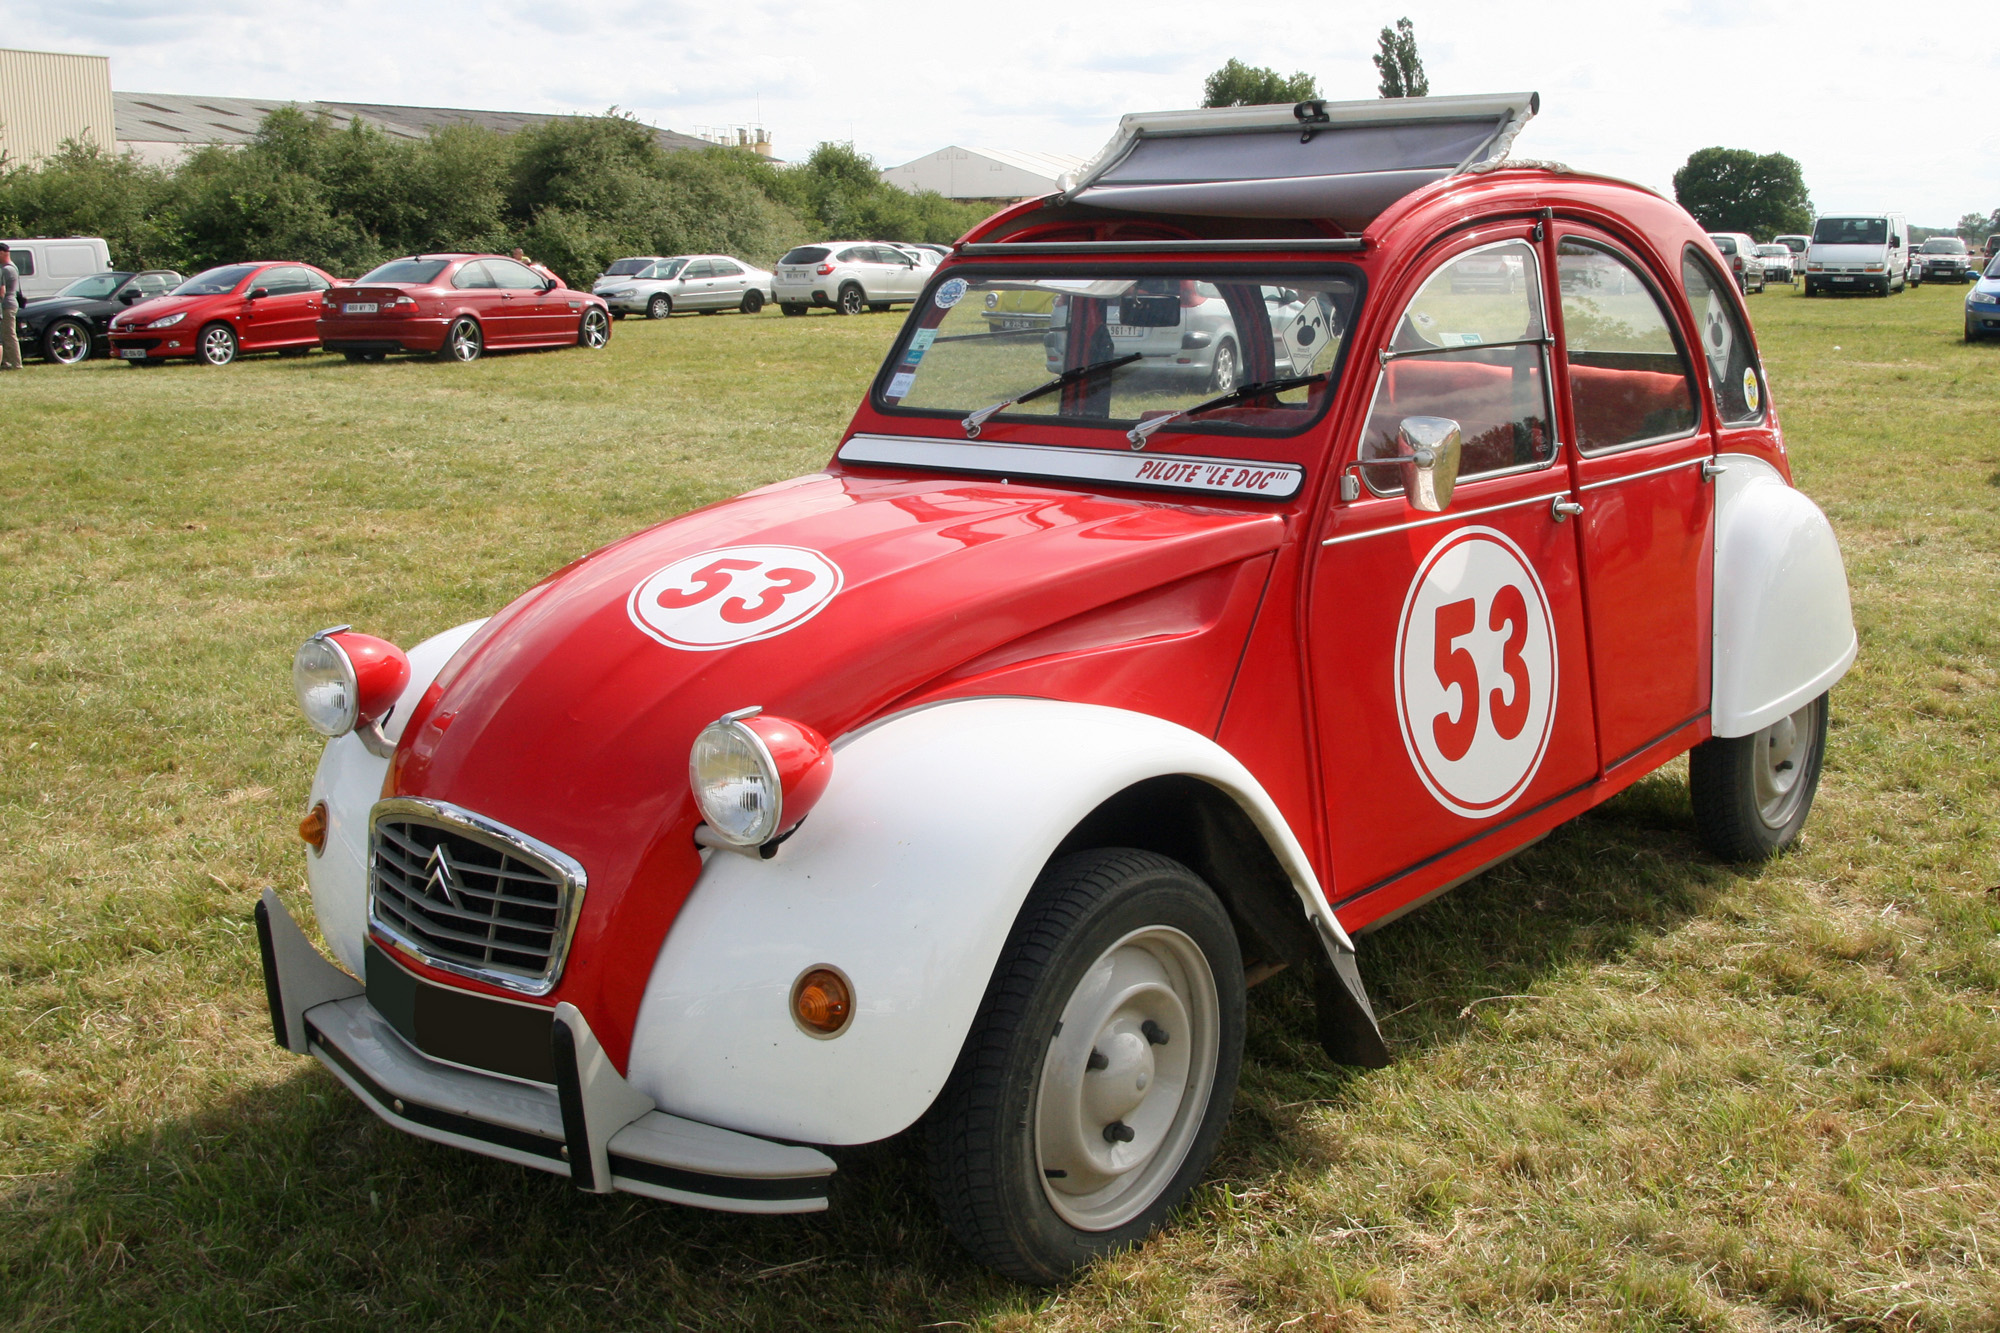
[(755, 777), (323, 679)]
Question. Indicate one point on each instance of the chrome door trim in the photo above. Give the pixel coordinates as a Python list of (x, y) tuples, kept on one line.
[(1448, 517), (1649, 472)]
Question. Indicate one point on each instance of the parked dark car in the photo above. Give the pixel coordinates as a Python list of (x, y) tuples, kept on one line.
[(75, 324)]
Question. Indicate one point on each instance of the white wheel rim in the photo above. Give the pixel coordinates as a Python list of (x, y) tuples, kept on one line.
[(594, 329), (215, 345), (464, 342), (1151, 1094), (68, 343), (1778, 763)]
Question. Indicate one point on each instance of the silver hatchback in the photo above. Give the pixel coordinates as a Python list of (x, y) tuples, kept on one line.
[(657, 287)]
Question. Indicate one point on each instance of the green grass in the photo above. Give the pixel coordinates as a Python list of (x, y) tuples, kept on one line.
[(1633, 1088)]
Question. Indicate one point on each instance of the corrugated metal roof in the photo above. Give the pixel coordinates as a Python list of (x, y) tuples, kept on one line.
[(174, 118)]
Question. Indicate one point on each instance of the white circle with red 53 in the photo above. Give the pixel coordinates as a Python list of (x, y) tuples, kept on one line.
[(1476, 668), (732, 595)]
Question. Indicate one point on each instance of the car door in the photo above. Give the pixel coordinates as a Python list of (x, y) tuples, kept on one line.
[(284, 315), (903, 275), (1447, 657), (697, 286), (518, 313), (730, 281), (479, 294), (1632, 407)]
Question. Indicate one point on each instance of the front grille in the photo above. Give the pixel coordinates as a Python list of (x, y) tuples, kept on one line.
[(471, 896)]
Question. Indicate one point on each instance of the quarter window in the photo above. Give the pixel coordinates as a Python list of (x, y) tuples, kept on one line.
[(1628, 381), (1472, 347), (1733, 372)]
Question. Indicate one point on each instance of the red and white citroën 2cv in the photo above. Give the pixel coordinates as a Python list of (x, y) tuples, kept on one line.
[(1299, 513)]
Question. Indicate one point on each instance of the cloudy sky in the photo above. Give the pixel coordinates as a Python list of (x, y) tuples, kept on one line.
[(1885, 107)]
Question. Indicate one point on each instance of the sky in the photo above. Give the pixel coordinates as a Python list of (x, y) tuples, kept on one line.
[(1885, 109)]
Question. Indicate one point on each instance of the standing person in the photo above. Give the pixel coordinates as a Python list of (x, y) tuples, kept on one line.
[(10, 306), (522, 258)]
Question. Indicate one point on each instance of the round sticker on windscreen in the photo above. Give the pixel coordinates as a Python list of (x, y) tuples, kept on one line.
[(1750, 392), (950, 294)]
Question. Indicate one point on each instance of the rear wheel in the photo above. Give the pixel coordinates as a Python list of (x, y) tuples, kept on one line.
[(878, 307), (1752, 793), (851, 301), (463, 341), (792, 308), (594, 329), (1222, 377), (67, 342), (217, 345), (660, 306), (753, 301), (1099, 1074)]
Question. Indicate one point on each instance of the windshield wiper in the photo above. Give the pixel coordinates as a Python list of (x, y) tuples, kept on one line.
[(1142, 432), (974, 420)]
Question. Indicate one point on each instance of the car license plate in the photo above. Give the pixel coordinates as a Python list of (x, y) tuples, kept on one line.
[(1843, 280), (359, 308), (132, 353), (1127, 331)]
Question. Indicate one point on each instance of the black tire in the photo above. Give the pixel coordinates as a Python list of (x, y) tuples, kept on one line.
[(215, 345), (1752, 793), (1972, 335), (878, 307), (850, 301), (464, 341), (1022, 1095), (355, 357), (593, 330), (67, 342), (792, 308), (659, 306), (1225, 369), (753, 301)]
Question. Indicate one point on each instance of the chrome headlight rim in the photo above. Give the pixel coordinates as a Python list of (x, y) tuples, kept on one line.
[(350, 681), (771, 820)]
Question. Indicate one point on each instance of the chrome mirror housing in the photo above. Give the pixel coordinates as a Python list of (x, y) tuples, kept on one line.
[(1429, 449)]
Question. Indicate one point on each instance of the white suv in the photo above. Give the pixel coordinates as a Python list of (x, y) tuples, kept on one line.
[(850, 276)]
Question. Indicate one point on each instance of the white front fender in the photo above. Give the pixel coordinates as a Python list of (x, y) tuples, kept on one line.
[(349, 780), (907, 877), (1784, 632)]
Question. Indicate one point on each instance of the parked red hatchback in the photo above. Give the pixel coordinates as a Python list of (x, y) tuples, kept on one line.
[(221, 314), (456, 306)]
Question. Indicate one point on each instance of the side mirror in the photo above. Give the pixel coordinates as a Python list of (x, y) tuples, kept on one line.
[(1429, 466), (550, 284), (259, 293), (129, 295)]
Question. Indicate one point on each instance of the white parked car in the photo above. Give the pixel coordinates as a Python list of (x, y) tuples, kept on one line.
[(850, 276), (657, 287), (1778, 264)]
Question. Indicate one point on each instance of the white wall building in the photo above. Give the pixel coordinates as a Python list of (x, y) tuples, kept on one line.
[(47, 97), (983, 173)]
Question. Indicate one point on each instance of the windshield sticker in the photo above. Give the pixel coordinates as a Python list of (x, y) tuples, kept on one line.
[(1750, 390), (1476, 672), (1466, 339), (732, 595), (950, 294), (1212, 476), (899, 385), (921, 340)]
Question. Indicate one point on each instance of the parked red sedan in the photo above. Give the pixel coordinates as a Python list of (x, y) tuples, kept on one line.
[(456, 306), (218, 315)]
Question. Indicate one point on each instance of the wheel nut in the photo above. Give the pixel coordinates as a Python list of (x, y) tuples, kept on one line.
[(1118, 1132), (1154, 1033)]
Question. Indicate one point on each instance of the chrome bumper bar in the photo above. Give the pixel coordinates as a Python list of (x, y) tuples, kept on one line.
[(592, 1126)]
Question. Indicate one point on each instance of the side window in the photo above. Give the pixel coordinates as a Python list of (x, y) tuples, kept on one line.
[(512, 276), (1471, 346), (155, 284), (700, 268), (23, 261), (287, 280), (1627, 379), (316, 283), (1733, 371), (853, 256), (725, 269), (472, 275)]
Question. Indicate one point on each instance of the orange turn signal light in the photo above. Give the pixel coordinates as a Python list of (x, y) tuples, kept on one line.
[(822, 1002), (312, 829)]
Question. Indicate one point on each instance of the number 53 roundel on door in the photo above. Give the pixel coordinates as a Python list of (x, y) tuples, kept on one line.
[(1476, 672)]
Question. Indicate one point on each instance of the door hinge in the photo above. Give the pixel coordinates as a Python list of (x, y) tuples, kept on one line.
[(1562, 508)]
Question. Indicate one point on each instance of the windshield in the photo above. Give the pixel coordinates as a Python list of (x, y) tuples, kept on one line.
[(805, 254), (215, 282), (1796, 244), (1851, 231), (625, 268), (1181, 338), (1944, 245), (96, 287), (1774, 251), (415, 272)]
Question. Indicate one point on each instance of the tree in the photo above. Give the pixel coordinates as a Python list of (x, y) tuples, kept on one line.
[(1402, 70), (1974, 228), (1733, 189), (1238, 84)]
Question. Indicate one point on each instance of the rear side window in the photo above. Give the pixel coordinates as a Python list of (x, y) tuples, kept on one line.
[(1724, 244), (1472, 347), (724, 269), (856, 255), (804, 254), (23, 262), (1733, 372), (1628, 381)]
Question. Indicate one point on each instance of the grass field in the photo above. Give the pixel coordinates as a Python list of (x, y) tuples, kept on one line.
[(1633, 1088)]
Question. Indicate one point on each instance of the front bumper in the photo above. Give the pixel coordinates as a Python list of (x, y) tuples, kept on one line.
[(152, 346), (590, 1126)]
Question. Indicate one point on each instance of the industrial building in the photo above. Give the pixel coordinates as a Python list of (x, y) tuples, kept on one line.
[(983, 173), (46, 98)]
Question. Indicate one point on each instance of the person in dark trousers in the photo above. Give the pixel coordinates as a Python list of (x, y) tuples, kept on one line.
[(10, 306)]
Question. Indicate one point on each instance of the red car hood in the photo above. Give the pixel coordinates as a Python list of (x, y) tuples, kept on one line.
[(564, 719), (141, 313)]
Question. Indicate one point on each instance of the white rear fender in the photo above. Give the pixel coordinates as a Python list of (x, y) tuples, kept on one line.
[(349, 780), (1784, 632), (907, 878)]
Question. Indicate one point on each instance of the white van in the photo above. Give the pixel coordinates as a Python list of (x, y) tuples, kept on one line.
[(1859, 252), (47, 266)]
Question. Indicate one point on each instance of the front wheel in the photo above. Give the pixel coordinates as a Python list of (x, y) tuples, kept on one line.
[(594, 329), (1972, 335), (217, 345), (752, 302), (463, 341), (660, 306), (66, 342), (792, 307), (1752, 793), (1098, 1077)]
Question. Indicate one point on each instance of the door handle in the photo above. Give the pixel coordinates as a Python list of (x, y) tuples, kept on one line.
[(1710, 469), (1561, 509)]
